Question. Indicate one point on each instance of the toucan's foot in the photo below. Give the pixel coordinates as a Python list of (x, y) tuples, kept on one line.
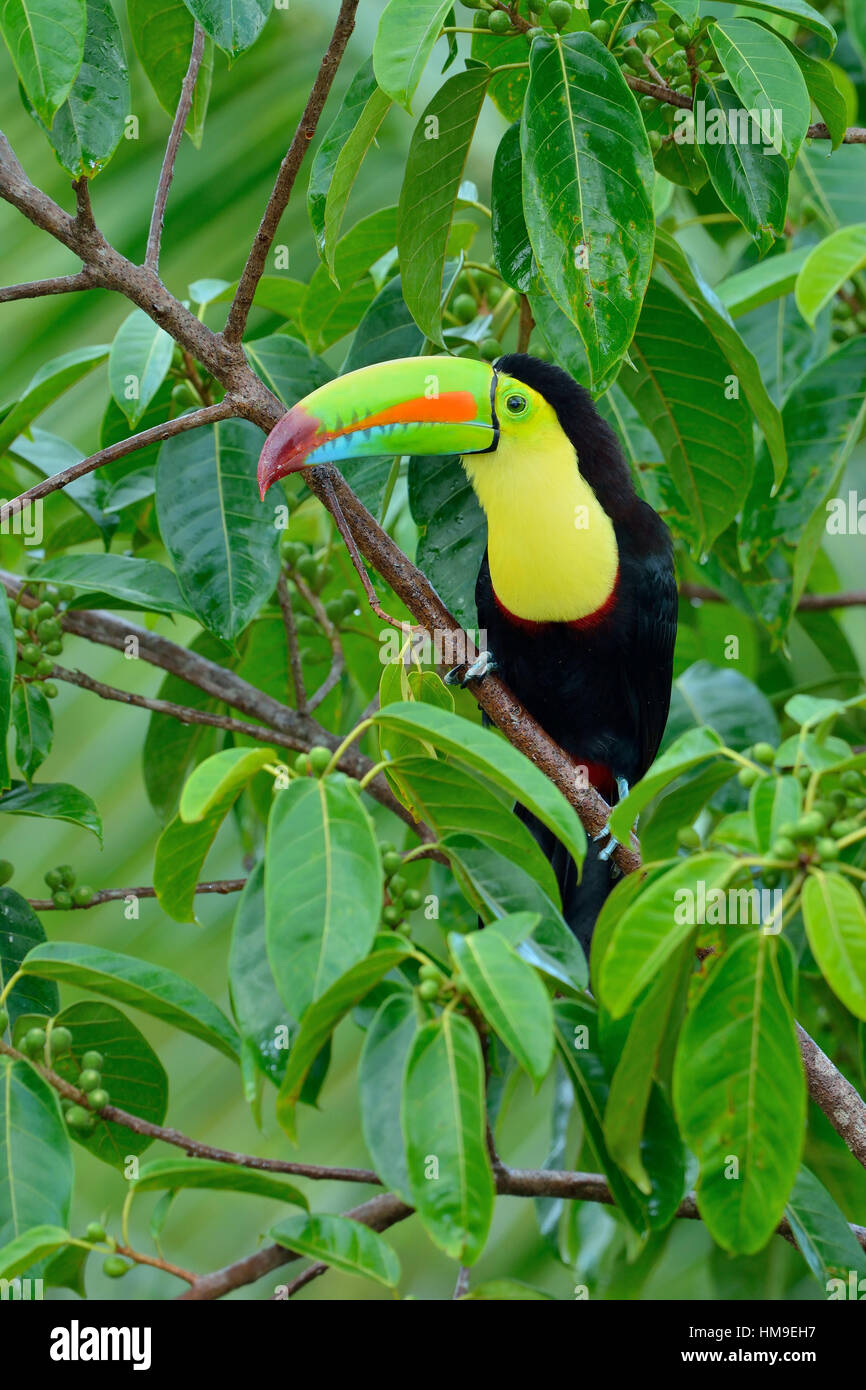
[(611, 845), (483, 665), (622, 788)]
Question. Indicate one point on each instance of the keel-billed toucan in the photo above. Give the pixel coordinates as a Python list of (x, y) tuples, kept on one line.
[(576, 590)]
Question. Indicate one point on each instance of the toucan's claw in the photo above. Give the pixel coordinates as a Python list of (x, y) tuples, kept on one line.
[(483, 665), (609, 848)]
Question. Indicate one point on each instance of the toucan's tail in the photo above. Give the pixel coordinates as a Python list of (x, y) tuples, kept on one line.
[(583, 901)]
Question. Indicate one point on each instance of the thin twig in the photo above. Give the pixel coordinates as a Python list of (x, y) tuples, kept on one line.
[(184, 106), (332, 634), (156, 1263), (114, 895), (288, 172), (809, 603), (295, 664), (85, 279)]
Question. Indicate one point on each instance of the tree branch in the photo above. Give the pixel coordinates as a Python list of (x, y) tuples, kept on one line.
[(854, 135), (184, 106), (295, 665), (835, 1095), (113, 895), (63, 284), (809, 603), (288, 172)]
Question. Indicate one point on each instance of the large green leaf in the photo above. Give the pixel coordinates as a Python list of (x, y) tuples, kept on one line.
[(322, 171), (172, 1174), (835, 920), (234, 25), (829, 265), (772, 802), (8, 660), (511, 247), (682, 390), (452, 531), (803, 14), (323, 1015), (49, 382), (446, 1148), (766, 79), (340, 1242), (88, 126), (490, 755), (34, 1145), (136, 583), (380, 1086), (655, 924), (20, 931), (856, 24), (740, 1094), (170, 748), (138, 363), (826, 1241), (741, 360), (287, 366), (163, 41), (46, 46), (333, 307), (434, 170), (34, 727), (691, 749), (762, 283), (29, 1248), (131, 1073), (725, 701), (205, 802), (587, 191), (151, 988), (53, 801), (823, 90), (750, 178), (258, 1009), (407, 32), (323, 886), (224, 547), (510, 996)]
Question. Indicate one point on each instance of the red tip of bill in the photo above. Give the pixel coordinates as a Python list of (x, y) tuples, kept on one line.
[(287, 446)]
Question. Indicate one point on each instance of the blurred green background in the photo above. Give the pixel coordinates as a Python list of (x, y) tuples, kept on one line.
[(214, 208)]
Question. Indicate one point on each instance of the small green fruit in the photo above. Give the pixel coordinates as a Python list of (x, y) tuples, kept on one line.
[(392, 916), (66, 593), (655, 140), (464, 308), (429, 971), (34, 1041), (397, 885), (79, 1118), (851, 781), (62, 899), (601, 29), (783, 848), (93, 1061), (648, 38), (808, 826), (841, 828), (54, 648), (764, 753), (429, 989), (44, 611), (560, 12), (683, 34), (30, 654), (54, 878), (320, 757), (48, 630), (391, 862), (771, 878), (114, 1266), (83, 895), (827, 848), (490, 349), (50, 690), (633, 59), (59, 1042), (45, 666), (412, 899), (7, 869), (67, 874), (748, 776), (688, 837), (499, 23), (302, 764), (94, 1231), (89, 1079), (98, 1098)]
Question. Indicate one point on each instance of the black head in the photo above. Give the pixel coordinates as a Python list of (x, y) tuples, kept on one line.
[(596, 445)]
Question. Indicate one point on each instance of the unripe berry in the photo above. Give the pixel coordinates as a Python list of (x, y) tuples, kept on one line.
[(391, 916), (115, 1266), (748, 776), (764, 753), (98, 1098), (490, 349), (7, 869), (412, 899), (464, 308), (79, 1118), (429, 989), (391, 862), (62, 899), (83, 895), (499, 23), (94, 1231), (560, 12), (59, 1042), (89, 1079), (320, 757), (34, 1041), (93, 1061)]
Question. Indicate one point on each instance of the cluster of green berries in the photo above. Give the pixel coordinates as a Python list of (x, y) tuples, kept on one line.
[(475, 294), (313, 764), (317, 574), (403, 899), (817, 833), (64, 893), (431, 982), (114, 1266), (39, 634), (81, 1120), (53, 1045)]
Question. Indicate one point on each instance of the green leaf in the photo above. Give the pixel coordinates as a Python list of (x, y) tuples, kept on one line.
[(347, 167), (131, 1073), (163, 42), (323, 886), (46, 47), (53, 801), (826, 1241), (205, 802), (490, 755), (33, 1140), (444, 1126), (66, 1269), (224, 549), (34, 727), (359, 92), (740, 1096), (323, 1015), (760, 284), (342, 1243), (20, 931), (507, 86), (855, 22), (428, 197), (452, 531), (692, 748), (823, 90), (835, 921), (830, 264), (287, 366), (29, 1248), (136, 583), (511, 247), (172, 1174), (773, 801), (170, 748), (138, 363), (8, 661), (723, 700), (587, 181), (333, 307), (751, 179), (380, 1086), (741, 360), (652, 927), (680, 391), (766, 79), (803, 14), (49, 382), (151, 988), (88, 126), (510, 996), (258, 1009), (679, 807), (405, 37), (233, 26)]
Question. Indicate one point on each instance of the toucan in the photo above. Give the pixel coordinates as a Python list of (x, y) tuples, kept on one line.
[(576, 590)]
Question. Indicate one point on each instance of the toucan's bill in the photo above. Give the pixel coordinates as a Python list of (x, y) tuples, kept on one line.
[(412, 405)]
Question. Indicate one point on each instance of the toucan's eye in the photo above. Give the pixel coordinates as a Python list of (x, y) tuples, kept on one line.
[(515, 404)]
